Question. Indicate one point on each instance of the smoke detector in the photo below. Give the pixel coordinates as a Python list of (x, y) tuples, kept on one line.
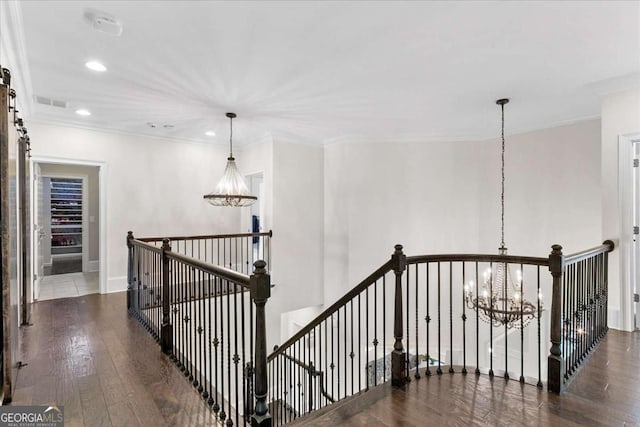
[(103, 22)]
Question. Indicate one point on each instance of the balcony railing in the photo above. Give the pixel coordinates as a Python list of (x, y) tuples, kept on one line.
[(413, 317)]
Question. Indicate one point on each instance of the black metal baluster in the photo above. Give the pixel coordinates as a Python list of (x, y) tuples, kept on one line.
[(375, 333), (201, 350), (521, 323), (491, 319), (539, 311), (332, 366), (352, 354), (408, 317), (244, 361), (236, 357), (215, 342), (338, 351), (326, 358), (359, 344), (506, 330), (464, 321), (384, 327), (417, 374), (209, 343), (366, 325), (427, 320), (439, 370), (451, 371), (344, 327), (477, 326), (183, 289), (190, 322), (223, 342), (227, 289)]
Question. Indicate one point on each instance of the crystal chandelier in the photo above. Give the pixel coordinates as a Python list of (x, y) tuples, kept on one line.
[(501, 301), (231, 190)]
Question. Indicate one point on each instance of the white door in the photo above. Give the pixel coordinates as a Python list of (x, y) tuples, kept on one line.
[(39, 230)]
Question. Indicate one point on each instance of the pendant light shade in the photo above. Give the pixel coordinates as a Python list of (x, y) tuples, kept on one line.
[(231, 190)]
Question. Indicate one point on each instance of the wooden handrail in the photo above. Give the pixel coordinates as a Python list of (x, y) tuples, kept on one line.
[(202, 237), (385, 268), (606, 246), (225, 273), (509, 259), (141, 243)]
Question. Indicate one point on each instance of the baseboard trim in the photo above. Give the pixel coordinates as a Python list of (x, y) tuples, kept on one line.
[(116, 284)]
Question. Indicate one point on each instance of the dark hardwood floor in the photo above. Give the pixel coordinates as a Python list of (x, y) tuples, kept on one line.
[(85, 353), (606, 392)]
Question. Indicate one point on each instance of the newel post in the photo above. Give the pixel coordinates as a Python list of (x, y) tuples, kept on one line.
[(129, 269), (166, 330), (260, 293), (555, 371), (399, 375)]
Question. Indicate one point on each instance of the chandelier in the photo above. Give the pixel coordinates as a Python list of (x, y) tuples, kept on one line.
[(231, 190), (501, 301)]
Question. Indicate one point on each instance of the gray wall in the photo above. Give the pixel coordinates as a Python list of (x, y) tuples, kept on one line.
[(93, 196)]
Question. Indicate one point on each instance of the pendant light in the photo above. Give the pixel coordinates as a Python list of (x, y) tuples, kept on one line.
[(231, 190), (502, 301)]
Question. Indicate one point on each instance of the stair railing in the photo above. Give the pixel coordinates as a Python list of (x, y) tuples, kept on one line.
[(400, 320), (210, 320), (415, 315), (236, 251)]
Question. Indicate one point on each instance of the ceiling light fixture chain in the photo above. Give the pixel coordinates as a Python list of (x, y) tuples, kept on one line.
[(501, 103), (501, 300)]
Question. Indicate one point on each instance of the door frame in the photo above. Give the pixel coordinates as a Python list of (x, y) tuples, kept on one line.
[(85, 210), (102, 200), (625, 192)]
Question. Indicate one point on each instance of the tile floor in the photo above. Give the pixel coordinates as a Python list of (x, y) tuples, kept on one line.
[(68, 285)]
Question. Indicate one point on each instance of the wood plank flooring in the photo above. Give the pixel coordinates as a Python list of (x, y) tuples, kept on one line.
[(85, 353), (606, 392)]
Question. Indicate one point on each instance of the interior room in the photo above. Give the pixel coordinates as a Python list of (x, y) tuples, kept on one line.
[(320, 212)]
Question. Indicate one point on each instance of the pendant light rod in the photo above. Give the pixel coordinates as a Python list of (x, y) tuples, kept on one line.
[(501, 103), (231, 117)]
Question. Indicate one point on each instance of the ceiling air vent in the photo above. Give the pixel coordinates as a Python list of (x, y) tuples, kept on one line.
[(103, 22), (43, 100)]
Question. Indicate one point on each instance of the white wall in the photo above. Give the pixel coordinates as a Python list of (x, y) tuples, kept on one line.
[(445, 197), (620, 116), (293, 189), (154, 187)]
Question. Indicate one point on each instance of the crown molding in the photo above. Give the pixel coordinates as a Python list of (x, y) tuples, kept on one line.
[(12, 42), (430, 139)]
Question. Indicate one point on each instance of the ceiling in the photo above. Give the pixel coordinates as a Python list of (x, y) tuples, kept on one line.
[(319, 72)]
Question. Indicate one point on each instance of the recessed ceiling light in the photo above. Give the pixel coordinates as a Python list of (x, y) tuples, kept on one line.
[(83, 112), (95, 66), (210, 133)]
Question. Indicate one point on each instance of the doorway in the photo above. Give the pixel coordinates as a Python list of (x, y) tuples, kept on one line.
[(256, 213), (66, 236)]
